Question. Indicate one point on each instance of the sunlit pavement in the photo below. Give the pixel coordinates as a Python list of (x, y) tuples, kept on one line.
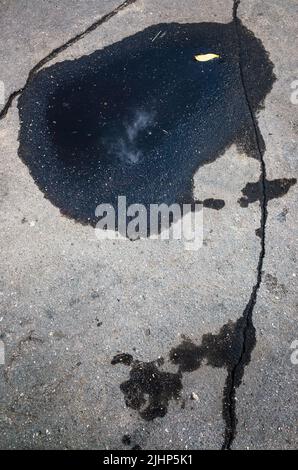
[(113, 344)]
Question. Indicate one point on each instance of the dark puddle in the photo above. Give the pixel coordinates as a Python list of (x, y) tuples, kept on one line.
[(150, 389), (139, 117), (274, 189)]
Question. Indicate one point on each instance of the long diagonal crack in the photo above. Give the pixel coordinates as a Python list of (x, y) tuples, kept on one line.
[(248, 330), (55, 52)]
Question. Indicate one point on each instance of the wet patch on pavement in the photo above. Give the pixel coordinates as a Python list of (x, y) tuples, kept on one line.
[(150, 389), (212, 203), (139, 117), (122, 358), (221, 350), (274, 189), (126, 440)]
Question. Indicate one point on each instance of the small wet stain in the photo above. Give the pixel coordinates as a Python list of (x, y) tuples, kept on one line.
[(139, 117), (274, 189), (150, 388), (216, 204), (126, 439), (122, 358)]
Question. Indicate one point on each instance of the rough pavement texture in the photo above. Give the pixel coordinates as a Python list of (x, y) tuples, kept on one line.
[(267, 399), (71, 303), (31, 30)]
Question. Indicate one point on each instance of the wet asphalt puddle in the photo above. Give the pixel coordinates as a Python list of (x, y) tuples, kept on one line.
[(139, 117)]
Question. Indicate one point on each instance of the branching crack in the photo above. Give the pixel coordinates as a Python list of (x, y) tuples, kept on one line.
[(55, 52), (248, 330)]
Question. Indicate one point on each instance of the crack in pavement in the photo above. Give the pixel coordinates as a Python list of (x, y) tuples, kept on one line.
[(247, 332), (234, 377), (55, 52)]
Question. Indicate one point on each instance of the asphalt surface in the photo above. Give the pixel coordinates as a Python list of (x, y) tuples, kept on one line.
[(112, 344)]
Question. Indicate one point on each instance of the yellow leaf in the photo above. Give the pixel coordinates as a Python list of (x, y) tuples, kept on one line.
[(206, 57)]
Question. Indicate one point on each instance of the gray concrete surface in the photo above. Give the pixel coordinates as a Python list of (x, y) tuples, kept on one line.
[(30, 30), (58, 282)]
